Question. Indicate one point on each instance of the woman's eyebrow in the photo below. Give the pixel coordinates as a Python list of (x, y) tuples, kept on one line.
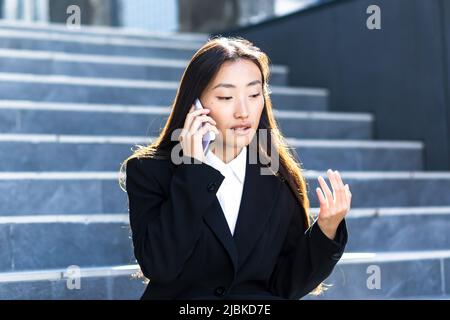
[(229, 85)]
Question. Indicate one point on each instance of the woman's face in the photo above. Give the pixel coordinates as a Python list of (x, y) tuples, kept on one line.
[(235, 98)]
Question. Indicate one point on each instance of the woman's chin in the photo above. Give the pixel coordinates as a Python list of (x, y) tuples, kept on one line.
[(237, 143), (244, 137), (242, 141), (235, 139)]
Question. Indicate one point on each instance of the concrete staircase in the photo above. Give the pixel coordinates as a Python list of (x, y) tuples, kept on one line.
[(73, 104)]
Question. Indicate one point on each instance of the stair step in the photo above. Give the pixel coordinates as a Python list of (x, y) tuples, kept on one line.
[(398, 229), (333, 125), (104, 239), (393, 189), (103, 31), (32, 117), (436, 297), (83, 65), (64, 240), (99, 283), (25, 193), (48, 41), (48, 152), (19, 86), (403, 274), (357, 155)]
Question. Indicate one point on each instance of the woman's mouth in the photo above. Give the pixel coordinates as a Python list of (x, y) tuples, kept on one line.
[(241, 130)]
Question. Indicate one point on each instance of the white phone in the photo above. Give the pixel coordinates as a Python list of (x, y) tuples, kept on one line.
[(210, 135)]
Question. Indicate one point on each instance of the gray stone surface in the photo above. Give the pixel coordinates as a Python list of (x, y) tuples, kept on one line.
[(132, 95), (105, 70), (409, 232), (94, 48), (47, 156), (122, 123), (59, 245), (105, 196), (91, 288), (398, 280)]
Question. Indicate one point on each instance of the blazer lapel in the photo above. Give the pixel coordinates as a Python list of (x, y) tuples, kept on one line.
[(259, 197), (216, 220)]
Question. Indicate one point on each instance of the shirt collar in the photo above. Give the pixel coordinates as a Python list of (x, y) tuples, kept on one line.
[(236, 166)]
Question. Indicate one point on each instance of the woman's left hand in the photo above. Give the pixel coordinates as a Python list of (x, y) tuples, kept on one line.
[(333, 207)]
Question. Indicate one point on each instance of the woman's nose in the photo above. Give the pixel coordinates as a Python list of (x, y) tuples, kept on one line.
[(241, 110)]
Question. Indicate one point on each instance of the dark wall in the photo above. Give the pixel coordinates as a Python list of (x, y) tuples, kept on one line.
[(204, 15), (399, 73)]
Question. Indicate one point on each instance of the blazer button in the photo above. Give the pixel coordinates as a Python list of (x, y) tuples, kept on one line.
[(219, 291), (211, 187)]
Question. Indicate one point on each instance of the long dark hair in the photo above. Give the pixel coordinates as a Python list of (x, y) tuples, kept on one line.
[(201, 69)]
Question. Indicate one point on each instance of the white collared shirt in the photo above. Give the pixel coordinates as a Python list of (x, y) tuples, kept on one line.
[(230, 192)]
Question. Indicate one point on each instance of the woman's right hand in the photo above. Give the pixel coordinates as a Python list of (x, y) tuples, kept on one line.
[(193, 132)]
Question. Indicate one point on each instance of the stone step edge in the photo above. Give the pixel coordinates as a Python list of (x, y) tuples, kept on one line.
[(89, 218), (129, 270), (172, 44), (67, 273), (39, 55), (294, 142), (135, 84), (309, 174), (102, 30), (163, 110)]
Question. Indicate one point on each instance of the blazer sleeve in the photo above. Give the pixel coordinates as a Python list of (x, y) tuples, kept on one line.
[(166, 227), (307, 258)]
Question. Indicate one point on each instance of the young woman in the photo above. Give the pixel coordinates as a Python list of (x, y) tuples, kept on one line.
[(208, 224)]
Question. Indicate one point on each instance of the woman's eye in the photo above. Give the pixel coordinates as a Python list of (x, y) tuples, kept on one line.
[(228, 98)]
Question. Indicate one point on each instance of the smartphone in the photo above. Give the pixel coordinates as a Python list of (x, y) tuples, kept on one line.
[(210, 135)]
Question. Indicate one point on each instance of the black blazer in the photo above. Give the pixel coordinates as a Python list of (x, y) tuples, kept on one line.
[(183, 244)]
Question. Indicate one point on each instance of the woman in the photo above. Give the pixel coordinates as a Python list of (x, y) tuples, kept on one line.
[(208, 224)]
